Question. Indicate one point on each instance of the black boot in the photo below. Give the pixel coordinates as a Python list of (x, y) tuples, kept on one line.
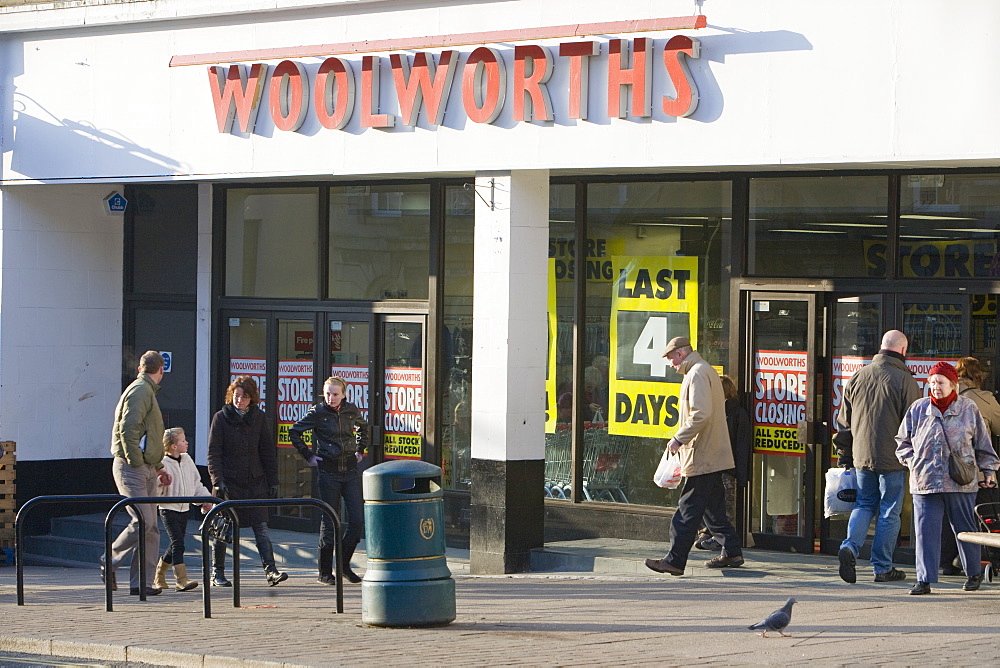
[(345, 568), (219, 566), (326, 566)]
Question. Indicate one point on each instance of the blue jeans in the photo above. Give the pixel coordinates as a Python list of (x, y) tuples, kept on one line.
[(880, 495)]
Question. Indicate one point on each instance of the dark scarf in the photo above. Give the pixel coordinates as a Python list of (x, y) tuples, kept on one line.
[(234, 416)]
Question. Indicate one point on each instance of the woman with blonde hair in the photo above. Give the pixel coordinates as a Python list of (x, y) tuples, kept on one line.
[(339, 437), (184, 481)]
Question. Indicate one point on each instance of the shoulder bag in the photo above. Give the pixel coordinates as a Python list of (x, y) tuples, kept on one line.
[(961, 471)]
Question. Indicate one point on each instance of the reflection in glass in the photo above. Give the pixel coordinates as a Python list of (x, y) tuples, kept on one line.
[(934, 329), (272, 242), (456, 352), (559, 394), (350, 359), (857, 336), (248, 353), (294, 397), (379, 241), (983, 336), (818, 226), (948, 225)]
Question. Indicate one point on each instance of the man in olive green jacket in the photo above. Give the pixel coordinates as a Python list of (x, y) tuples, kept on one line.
[(702, 438), (137, 444)]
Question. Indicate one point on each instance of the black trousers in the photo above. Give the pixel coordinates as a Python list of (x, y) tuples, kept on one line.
[(175, 524), (702, 497)]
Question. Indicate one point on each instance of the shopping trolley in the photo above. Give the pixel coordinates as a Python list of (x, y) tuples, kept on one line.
[(605, 458), (558, 462)]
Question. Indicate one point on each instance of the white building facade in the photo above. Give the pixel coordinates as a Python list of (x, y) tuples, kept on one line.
[(779, 181)]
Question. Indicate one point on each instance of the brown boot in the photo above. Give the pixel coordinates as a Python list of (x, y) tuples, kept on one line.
[(160, 578), (181, 577)]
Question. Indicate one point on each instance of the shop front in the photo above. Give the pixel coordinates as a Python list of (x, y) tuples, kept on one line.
[(490, 223)]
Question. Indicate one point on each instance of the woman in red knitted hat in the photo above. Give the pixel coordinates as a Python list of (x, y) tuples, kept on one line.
[(932, 429)]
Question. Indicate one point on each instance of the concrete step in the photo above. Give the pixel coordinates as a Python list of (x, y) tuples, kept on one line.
[(79, 541), (89, 527)]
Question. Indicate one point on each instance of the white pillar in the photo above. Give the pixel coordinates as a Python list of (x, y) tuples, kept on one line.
[(508, 372), (203, 324)]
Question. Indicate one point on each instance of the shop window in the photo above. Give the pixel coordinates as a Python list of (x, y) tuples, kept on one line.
[(456, 346), (559, 349), (655, 262), (271, 242), (949, 226), (379, 242), (812, 227)]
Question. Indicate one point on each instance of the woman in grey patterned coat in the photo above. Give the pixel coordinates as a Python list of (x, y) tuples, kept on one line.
[(931, 430)]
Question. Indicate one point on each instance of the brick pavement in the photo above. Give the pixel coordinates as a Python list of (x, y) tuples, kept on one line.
[(538, 619)]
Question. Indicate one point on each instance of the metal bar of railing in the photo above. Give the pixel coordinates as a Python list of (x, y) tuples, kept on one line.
[(141, 541), (19, 521), (226, 506)]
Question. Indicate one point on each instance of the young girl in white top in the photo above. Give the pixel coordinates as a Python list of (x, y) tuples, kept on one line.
[(184, 481)]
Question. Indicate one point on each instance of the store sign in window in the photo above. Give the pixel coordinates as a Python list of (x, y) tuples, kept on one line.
[(295, 396), (403, 407), (654, 299), (780, 390), (256, 368)]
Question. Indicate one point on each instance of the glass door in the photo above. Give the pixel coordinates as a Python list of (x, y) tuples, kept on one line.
[(349, 348), (296, 392), (402, 434), (782, 334), (855, 334), (290, 355)]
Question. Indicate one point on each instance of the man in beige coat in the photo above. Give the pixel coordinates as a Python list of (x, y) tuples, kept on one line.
[(702, 438)]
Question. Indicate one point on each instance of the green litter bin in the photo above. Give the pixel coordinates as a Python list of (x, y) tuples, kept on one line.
[(407, 581)]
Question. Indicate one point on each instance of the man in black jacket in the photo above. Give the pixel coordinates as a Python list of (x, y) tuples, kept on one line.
[(875, 400)]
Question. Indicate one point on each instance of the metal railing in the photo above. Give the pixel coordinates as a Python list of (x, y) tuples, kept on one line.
[(19, 520), (221, 506), (227, 506), (140, 545)]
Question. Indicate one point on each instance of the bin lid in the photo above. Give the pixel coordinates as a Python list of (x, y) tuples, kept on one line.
[(400, 479)]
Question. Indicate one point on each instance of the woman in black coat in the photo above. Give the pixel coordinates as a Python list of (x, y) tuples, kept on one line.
[(243, 464), (339, 437)]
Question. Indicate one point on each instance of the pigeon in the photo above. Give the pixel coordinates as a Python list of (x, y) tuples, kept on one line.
[(777, 620)]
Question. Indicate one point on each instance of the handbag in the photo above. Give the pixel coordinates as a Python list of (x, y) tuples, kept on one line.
[(841, 492), (961, 471), (220, 527), (668, 473)]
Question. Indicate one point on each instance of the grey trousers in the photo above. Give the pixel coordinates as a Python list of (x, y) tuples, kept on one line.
[(133, 482)]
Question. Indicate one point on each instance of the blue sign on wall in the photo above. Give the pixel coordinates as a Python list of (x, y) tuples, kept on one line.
[(115, 203), (168, 359)]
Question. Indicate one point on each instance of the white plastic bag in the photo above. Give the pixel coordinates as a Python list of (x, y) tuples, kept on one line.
[(841, 492), (668, 473)]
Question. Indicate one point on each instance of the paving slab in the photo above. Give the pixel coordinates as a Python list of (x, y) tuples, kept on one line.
[(621, 616)]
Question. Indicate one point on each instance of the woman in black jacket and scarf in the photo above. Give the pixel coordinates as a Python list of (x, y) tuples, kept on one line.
[(243, 464), (339, 436)]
